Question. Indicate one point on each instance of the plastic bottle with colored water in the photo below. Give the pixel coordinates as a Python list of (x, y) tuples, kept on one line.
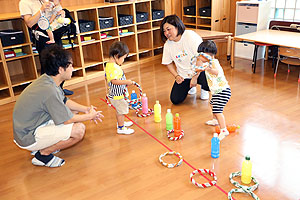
[(133, 97), (169, 120), (246, 170), (177, 125), (215, 146), (157, 112), (144, 104)]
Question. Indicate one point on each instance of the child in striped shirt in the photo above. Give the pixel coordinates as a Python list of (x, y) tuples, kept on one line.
[(117, 83), (218, 85)]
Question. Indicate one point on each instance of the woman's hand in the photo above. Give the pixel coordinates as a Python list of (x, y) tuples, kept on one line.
[(179, 79)]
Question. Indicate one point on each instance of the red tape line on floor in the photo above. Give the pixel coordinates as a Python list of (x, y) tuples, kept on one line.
[(168, 148)]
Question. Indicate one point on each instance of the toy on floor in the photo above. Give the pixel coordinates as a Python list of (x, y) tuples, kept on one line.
[(169, 120), (157, 112), (135, 101), (173, 164), (202, 171), (178, 132), (242, 188), (232, 128), (175, 138)]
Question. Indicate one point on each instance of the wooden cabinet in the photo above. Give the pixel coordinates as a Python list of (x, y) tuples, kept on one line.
[(206, 14), (90, 50)]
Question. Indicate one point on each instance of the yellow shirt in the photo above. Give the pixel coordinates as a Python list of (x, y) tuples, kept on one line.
[(114, 71)]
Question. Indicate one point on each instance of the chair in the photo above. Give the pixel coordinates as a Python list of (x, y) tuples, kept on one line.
[(289, 56)]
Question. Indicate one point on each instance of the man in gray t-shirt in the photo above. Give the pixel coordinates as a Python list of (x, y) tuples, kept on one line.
[(43, 121)]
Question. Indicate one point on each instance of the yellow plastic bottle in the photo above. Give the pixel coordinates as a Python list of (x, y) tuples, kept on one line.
[(246, 170), (157, 112)]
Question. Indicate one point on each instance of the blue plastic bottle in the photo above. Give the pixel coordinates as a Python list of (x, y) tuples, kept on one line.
[(133, 97), (215, 146)]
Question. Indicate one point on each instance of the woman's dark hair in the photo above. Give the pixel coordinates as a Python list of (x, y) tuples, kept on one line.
[(118, 49), (53, 57), (173, 20), (208, 46)]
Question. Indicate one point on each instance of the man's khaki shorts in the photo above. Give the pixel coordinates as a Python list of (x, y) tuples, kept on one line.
[(49, 134)]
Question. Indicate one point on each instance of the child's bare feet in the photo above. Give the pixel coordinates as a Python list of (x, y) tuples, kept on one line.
[(50, 42)]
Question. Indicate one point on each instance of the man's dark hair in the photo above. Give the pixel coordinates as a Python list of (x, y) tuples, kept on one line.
[(173, 20), (118, 49), (53, 57), (208, 46)]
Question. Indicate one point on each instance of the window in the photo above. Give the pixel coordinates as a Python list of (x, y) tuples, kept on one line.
[(286, 10)]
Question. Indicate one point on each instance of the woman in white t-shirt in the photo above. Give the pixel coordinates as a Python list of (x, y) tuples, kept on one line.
[(180, 46)]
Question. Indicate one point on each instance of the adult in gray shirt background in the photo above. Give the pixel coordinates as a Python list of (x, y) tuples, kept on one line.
[(43, 119)]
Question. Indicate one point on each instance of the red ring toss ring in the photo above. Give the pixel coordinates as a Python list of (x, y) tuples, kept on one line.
[(204, 171), (172, 165), (150, 112), (138, 100), (175, 138)]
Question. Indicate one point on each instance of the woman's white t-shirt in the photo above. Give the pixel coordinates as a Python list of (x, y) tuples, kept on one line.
[(181, 52), (29, 7)]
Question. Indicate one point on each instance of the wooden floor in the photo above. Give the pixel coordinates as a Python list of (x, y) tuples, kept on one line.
[(110, 166)]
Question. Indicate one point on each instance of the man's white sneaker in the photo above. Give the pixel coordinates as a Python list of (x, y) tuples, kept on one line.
[(223, 134), (126, 124), (212, 122), (193, 90), (204, 95), (125, 131)]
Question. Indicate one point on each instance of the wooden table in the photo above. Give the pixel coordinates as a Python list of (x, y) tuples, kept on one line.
[(216, 36), (273, 37)]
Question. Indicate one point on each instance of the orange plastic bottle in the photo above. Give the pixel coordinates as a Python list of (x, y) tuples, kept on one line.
[(231, 128), (177, 125)]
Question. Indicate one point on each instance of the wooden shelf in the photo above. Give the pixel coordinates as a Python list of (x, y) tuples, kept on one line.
[(110, 38), (3, 86), (204, 25), (18, 57), (192, 24), (143, 50), (192, 16), (89, 57), (90, 63), (201, 17), (17, 46), (143, 30), (20, 80), (89, 42)]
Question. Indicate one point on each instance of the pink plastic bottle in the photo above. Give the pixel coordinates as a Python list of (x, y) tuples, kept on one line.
[(144, 104)]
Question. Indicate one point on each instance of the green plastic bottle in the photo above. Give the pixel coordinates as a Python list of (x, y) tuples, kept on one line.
[(246, 170), (169, 120)]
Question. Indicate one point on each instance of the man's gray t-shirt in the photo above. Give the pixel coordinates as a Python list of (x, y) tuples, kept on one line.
[(40, 102)]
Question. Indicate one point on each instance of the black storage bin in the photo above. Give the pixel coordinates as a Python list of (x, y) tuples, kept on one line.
[(106, 22), (11, 37), (157, 14), (205, 11), (190, 10), (125, 19), (141, 17), (114, 1), (86, 25)]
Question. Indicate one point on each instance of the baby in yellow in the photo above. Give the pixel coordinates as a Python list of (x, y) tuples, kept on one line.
[(117, 84), (217, 84)]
